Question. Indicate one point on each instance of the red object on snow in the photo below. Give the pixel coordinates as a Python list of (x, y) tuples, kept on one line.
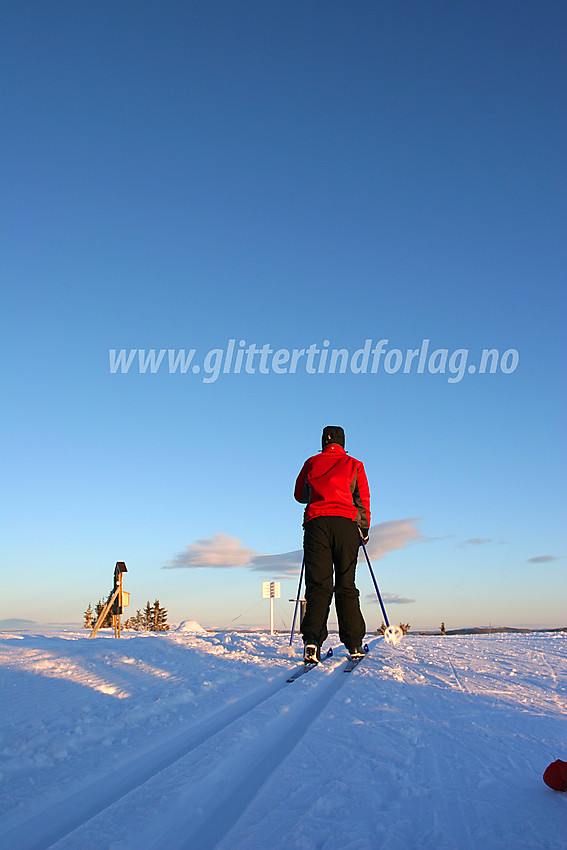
[(555, 775)]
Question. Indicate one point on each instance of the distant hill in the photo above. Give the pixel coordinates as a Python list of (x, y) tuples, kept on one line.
[(15, 623), (489, 630)]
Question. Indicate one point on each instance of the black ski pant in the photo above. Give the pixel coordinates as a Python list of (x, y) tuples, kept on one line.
[(328, 541)]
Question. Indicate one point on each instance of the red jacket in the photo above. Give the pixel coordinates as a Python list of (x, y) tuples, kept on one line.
[(333, 483)]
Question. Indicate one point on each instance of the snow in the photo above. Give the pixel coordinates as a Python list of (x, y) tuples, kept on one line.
[(191, 626), (189, 739)]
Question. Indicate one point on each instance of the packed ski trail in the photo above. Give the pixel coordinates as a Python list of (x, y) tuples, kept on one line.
[(199, 741), (54, 822)]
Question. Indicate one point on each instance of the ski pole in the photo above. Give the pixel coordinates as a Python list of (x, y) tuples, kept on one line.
[(297, 599), (374, 580)]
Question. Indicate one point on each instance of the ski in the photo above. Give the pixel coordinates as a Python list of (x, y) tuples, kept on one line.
[(354, 662), (305, 668)]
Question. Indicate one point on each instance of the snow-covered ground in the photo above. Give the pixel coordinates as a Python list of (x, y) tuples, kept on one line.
[(196, 740)]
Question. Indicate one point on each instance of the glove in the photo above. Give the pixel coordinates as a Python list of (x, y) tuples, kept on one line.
[(364, 535)]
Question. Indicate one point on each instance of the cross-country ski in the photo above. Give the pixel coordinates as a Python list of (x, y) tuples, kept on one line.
[(306, 667), (355, 660)]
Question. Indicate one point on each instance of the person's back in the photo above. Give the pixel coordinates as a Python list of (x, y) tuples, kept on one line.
[(333, 483), (335, 489)]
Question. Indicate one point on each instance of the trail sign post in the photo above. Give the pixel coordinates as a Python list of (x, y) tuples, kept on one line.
[(302, 607), (271, 590), (117, 599), (120, 602)]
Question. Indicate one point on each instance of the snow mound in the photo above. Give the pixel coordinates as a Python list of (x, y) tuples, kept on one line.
[(191, 626)]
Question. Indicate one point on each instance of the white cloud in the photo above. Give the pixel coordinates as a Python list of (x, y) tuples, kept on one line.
[(222, 550), (390, 536)]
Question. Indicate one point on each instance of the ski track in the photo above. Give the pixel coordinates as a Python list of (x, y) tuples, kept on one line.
[(51, 824), (438, 744), (226, 767), (226, 811)]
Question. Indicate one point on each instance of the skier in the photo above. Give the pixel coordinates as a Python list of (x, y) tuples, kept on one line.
[(335, 489)]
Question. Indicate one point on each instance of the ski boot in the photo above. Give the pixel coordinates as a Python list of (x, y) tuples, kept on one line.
[(357, 652), (311, 653)]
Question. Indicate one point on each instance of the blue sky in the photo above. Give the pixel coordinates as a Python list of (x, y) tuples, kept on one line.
[(179, 175)]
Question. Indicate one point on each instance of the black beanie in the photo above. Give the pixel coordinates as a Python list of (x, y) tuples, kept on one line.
[(333, 434)]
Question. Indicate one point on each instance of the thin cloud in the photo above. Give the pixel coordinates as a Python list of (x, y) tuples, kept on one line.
[(289, 563), (542, 559), (389, 599), (476, 541)]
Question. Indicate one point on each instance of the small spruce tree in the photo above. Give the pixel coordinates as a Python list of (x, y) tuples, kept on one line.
[(137, 621), (148, 617), (98, 611), (89, 617), (159, 618)]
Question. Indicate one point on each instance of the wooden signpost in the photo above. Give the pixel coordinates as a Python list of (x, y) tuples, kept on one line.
[(118, 598)]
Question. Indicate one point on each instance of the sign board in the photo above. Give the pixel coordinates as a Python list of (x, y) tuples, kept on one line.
[(271, 590)]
